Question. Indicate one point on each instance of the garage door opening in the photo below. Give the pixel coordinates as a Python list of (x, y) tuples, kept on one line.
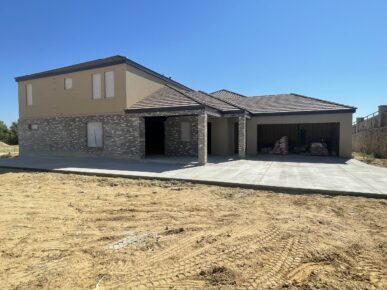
[(299, 136), (154, 136)]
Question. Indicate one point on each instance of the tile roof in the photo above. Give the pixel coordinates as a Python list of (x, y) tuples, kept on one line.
[(176, 95), (172, 97), (165, 97), (210, 101), (281, 103)]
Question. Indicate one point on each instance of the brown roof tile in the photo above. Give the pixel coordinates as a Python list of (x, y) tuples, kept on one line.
[(166, 97), (281, 103)]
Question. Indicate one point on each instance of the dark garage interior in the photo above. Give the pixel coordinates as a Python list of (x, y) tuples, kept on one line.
[(154, 135), (300, 136)]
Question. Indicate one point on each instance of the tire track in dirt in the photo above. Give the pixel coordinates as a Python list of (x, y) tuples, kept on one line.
[(280, 265), (179, 247), (203, 259)]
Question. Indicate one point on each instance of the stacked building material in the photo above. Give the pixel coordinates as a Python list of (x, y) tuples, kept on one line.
[(319, 149), (284, 145), (281, 146)]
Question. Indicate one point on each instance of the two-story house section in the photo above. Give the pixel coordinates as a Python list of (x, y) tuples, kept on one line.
[(114, 107)]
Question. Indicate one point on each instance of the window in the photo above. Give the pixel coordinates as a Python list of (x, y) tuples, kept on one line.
[(94, 134), (68, 83), (185, 132), (109, 84), (32, 127), (29, 94), (96, 86)]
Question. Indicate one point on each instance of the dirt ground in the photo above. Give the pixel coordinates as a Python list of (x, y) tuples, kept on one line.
[(7, 151), (370, 159), (82, 232)]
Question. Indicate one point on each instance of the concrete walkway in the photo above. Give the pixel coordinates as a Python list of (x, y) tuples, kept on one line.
[(292, 172)]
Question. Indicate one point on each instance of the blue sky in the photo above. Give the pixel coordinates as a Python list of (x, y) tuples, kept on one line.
[(334, 50)]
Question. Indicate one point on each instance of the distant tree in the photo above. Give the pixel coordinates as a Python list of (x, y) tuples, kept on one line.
[(13, 138), (4, 133)]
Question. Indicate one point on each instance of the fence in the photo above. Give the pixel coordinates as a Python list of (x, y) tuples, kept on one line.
[(375, 120), (369, 134)]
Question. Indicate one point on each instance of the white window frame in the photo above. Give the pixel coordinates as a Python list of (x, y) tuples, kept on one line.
[(109, 84), (97, 86), (94, 134), (68, 83), (185, 131), (29, 99)]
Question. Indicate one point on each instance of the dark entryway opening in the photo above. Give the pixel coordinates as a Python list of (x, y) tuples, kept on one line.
[(209, 134), (154, 135), (300, 136), (236, 138)]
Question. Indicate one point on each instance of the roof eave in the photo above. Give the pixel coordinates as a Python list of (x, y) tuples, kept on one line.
[(164, 109), (305, 112), (69, 70), (118, 60)]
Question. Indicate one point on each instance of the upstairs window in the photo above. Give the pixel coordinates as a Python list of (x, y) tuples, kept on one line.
[(94, 134), (185, 132), (68, 83), (96, 86), (109, 84), (29, 94)]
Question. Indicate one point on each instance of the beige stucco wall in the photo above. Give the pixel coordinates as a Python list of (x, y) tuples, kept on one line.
[(222, 135), (139, 85), (345, 120), (51, 99)]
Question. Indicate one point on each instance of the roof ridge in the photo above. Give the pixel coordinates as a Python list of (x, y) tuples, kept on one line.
[(272, 95), (189, 97), (229, 92), (224, 101), (321, 100)]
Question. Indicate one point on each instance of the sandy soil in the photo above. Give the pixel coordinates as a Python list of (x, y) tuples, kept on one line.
[(372, 161), (7, 151), (82, 232)]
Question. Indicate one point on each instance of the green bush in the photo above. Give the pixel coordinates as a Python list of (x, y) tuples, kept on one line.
[(9, 135)]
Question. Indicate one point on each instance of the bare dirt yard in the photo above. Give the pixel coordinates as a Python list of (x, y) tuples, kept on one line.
[(370, 159), (82, 232), (7, 151)]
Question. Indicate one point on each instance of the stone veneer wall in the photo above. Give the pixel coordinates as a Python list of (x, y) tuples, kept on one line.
[(173, 144), (122, 136), (371, 141)]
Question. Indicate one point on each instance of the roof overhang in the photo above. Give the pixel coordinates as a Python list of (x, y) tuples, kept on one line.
[(173, 111), (349, 111), (98, 63)]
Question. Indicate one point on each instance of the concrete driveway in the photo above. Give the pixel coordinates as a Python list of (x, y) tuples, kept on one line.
[(292, 172)]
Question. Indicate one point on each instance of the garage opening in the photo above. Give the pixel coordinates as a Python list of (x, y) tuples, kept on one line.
[(154, 135), (300, 138)]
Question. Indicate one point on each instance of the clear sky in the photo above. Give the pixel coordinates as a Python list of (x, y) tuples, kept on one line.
[(334, 50)]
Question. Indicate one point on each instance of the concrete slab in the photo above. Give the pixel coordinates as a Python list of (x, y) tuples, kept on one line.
[(295, 173)]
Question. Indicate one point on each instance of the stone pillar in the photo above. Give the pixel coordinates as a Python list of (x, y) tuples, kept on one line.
[(382, 116), (359, 122), (242, 137), (141, 137), (202, 139)]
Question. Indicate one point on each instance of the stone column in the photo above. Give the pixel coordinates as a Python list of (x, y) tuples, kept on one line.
[(382, 116), (202, 139), (242, 137), (141, 137)]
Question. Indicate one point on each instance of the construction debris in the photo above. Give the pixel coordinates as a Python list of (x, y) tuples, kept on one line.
[(131, 238), (319, 149), (281, 146)]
